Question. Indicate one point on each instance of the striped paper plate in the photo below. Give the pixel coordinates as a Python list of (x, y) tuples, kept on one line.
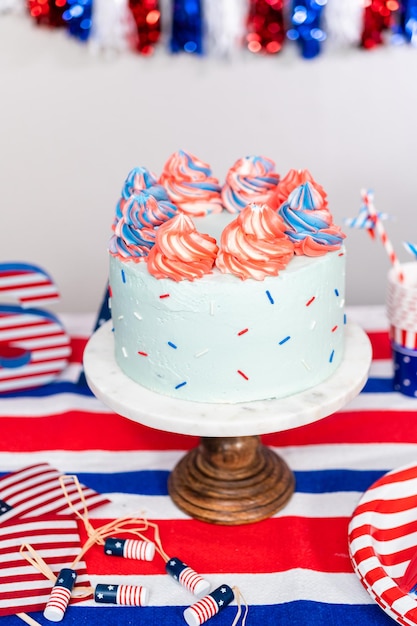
[(383, 539)]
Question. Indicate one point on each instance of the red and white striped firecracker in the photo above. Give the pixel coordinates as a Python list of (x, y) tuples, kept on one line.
[(187, 577), (130, 548), (126, 595), (208, 606), (60, 595)]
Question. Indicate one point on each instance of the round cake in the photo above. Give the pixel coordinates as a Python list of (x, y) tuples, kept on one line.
[(228, 293)]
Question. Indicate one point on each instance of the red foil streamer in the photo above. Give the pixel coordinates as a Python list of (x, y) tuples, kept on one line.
[(265, 26), (47, 12), (147, 17), (378, 17)]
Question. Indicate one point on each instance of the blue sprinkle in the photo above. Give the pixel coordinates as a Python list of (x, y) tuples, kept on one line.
[(336, 292), (123, 276), (284, 340), (172, 345), (270, 298), (345, 318), (331, 357), (181, 385)]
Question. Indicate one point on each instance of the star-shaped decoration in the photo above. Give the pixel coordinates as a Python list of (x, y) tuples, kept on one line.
[(109, 552), (100, 596), (223, 589), (4, 507), (118, 544), (221, 602), (110, 587)]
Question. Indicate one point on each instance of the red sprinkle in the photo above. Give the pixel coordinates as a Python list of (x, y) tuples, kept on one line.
[(110, 292), (334, 328), (242, 332), (142, 353), (243, 375), (164, 295), (310, 301)]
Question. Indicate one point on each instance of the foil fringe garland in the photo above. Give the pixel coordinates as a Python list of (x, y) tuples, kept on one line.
[(222, 27), (265, 26), (147, 18), (113, 27), (306, 28), (187, 27)]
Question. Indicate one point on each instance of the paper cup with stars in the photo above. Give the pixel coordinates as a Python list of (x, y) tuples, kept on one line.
[(402, 317)]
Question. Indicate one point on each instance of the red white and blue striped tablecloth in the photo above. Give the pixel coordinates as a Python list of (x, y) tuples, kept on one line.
[(291, 569)]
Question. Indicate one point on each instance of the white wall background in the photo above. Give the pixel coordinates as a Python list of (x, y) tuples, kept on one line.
[(72, 126)]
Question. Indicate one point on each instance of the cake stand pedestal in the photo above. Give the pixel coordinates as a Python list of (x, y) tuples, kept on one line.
[(230, 478)]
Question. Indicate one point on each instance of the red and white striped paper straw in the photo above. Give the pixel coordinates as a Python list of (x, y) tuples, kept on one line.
[(368, 198)]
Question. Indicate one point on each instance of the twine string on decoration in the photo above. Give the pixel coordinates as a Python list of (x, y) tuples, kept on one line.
[(134, 526), (240, 600)]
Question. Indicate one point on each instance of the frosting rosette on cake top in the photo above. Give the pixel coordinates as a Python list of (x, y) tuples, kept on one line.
[(255, 245), (310, 223), (294, 178), (134, 233), (180, 251), (190, 185), (251, 179), (139, 179)]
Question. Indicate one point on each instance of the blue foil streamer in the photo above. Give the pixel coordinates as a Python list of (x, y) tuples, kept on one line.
[(187, 27), (406, 28), (305, 26), (78, 17)]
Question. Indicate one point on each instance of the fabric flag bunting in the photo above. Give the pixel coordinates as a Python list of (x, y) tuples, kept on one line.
[(56, 540), (36, 490)]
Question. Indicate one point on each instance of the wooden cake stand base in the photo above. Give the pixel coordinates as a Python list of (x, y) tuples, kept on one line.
[(230, 481), (230, 478)]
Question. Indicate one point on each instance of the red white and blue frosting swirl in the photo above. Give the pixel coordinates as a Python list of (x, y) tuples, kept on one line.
[(310, 224), (254, 245), (191, 185), (135, 231), (252, 179), (139, 179)]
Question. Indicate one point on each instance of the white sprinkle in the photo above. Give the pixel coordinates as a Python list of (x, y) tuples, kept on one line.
[(202, 353), (306, 365), (120, 317), (109, 303), (313, 325), (212, 307), (139, 317), (342, 303), (124, 352)]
